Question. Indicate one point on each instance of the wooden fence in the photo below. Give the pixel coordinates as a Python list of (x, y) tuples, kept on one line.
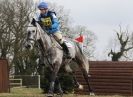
[(4, 76), (108, 78)]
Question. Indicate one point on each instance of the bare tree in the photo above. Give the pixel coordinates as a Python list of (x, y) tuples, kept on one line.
[(124, 40), (23, 10), (14, 16), (5, 27)]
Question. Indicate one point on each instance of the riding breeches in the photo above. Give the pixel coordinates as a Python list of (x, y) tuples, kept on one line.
[(58, 37)]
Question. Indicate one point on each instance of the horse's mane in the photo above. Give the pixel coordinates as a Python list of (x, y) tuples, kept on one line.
[(46, 35)]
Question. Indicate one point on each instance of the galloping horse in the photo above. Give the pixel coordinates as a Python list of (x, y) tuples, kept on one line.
[(53, 55)]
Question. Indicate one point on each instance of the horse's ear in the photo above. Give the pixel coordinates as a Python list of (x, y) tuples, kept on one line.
[(33, 22)]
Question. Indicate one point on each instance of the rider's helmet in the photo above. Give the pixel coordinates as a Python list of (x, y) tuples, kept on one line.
[(43, 5)]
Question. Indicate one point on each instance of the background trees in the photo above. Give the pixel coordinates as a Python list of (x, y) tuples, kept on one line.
[(14, 16), (124, 44)]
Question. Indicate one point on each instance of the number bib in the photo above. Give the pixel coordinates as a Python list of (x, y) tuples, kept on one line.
[(46, 21)]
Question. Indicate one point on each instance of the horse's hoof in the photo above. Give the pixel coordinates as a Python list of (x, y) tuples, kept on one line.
[(89, 75), (60, 94), (92, 94), (50, 95), (81, 87)]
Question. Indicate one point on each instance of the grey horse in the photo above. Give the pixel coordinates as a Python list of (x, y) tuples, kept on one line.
[(52, 54)]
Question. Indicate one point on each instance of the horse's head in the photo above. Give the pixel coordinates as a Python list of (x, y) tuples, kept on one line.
[(36, 33), (31, 34)]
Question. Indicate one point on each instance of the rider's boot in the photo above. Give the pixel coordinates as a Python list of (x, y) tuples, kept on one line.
[(66, 50)]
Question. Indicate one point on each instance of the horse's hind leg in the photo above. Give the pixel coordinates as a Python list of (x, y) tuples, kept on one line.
[(75, 82), (84, 66), (85, 74)]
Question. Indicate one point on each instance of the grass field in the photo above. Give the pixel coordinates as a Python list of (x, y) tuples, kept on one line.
[(31, 92)]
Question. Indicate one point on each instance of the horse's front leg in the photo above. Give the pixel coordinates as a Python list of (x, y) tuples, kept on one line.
[(60, 91), (53, 78)]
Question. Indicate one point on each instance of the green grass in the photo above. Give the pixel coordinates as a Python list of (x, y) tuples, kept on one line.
[(23, 92), (33, 92)]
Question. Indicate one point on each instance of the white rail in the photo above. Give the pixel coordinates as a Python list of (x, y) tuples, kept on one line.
[(18, 83)]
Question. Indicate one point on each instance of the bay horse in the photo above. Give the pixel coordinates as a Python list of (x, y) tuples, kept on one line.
[(52, 54)]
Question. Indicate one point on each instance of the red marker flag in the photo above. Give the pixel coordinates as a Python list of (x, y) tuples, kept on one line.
[(79, 39)]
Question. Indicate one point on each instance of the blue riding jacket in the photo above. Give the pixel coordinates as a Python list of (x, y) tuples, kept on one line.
[(49, 22)]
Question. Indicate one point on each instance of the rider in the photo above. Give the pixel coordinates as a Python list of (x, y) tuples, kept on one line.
[(50, 23)]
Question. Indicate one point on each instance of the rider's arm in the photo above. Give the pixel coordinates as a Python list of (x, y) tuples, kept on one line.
[(55, 22)]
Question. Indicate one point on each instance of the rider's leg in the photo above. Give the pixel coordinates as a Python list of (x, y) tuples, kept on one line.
[(59, 38), (65, 48)]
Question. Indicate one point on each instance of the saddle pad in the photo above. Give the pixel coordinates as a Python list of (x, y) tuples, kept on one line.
[(69, 45)]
